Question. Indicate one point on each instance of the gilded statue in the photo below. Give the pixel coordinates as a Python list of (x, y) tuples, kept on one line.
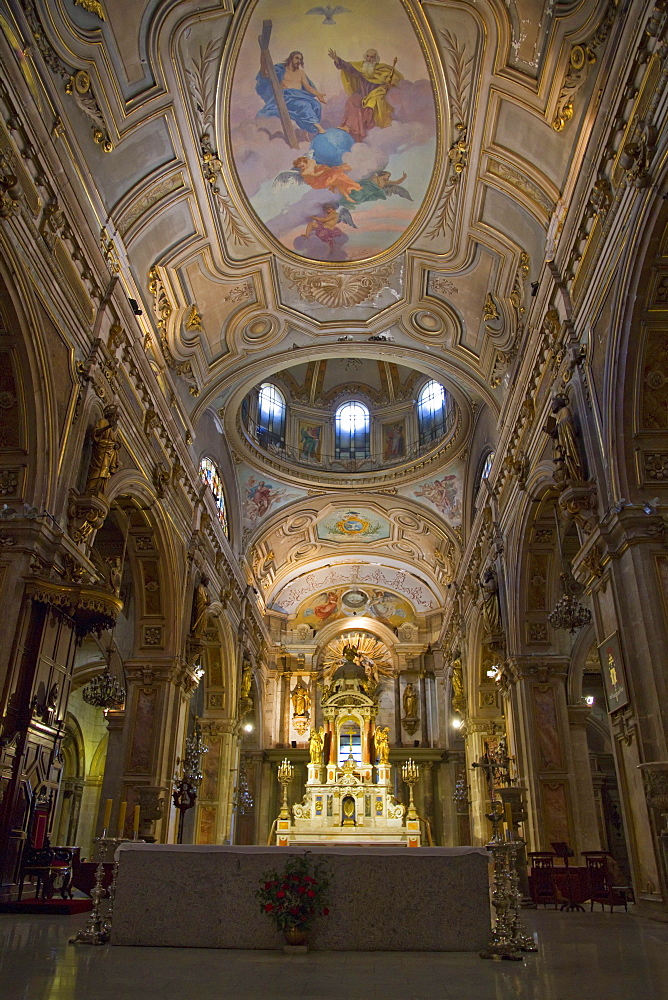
[(316, 744), (410, 701), (457, 681), (301, 700), (246, 678), (566, 454), (491, 610), (381, 740), (106, 445), (201, 602)]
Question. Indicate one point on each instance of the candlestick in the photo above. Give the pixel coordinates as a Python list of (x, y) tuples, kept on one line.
[(135, 822), (121, 819), (107, 816)]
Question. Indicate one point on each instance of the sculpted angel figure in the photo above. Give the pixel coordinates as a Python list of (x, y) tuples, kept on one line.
[(381, 740)]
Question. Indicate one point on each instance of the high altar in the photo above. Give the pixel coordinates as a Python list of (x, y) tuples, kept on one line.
[(348, 798)]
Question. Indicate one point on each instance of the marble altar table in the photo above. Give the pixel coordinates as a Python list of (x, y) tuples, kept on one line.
[(382, 898)]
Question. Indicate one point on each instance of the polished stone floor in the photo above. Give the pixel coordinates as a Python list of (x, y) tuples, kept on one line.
[(582, 956)]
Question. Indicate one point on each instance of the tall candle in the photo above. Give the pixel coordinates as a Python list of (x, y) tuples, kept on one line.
[(121, 818), (107, 815), (135, 821)]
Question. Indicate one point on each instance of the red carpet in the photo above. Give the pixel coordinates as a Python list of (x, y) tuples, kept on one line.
[(58, 906)]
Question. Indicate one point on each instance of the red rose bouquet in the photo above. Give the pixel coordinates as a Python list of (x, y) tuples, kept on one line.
[(296, 895)]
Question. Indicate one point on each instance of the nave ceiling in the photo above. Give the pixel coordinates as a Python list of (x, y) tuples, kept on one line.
[(183, 172)]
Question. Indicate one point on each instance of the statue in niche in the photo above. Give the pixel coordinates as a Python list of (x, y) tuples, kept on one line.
[(491, 610), (201, 601), (301, 700), (381, 740), (115, 573), (106, 445), (566, 454), (457, 681), (410, 701), (246, 677), (315, 744)]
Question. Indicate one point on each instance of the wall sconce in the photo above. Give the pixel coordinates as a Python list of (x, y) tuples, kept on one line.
[(457, 723)]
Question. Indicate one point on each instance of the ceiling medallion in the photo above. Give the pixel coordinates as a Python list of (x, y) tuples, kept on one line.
[(338, 290)]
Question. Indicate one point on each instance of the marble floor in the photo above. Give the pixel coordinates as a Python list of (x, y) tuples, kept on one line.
[(582, 956)]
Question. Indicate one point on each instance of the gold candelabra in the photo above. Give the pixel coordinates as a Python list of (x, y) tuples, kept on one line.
[(410, 772), (285, 775)]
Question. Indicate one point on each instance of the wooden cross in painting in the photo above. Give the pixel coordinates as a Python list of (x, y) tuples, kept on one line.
[(267, 69)]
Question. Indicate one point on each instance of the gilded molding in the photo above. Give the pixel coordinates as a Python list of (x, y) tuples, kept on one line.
[(457, 67), (92, 610), (163, 309), (521, 183), (78, 83), (92, 6), (338, 290), (581, 57)]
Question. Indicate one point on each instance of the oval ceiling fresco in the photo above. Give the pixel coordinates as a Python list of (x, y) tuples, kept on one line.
[(333, 125)]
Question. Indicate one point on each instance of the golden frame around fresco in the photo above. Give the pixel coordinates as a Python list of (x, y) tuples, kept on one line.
[(232, 179)]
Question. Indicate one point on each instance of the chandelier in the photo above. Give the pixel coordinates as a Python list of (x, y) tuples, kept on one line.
[(569, 615), (104, 691)]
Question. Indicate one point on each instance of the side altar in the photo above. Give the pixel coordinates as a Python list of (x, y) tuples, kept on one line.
[(349, 795)]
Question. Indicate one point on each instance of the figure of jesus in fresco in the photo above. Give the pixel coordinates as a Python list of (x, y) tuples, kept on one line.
[(366, 83), (302, 99)]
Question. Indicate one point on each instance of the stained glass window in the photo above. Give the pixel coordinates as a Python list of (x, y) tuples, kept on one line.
[(211, 476)]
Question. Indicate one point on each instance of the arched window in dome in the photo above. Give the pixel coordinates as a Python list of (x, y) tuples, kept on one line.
[(211, 476), (271, 415), (352, 429), (433, 411)]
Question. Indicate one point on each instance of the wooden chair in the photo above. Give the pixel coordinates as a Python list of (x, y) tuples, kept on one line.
[(601, 881), (541, 881), (44, 866)]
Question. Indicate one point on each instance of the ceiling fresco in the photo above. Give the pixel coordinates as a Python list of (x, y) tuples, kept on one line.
[(360, 525), (332, 125), (348, 201), (368, 578), (352, 601)]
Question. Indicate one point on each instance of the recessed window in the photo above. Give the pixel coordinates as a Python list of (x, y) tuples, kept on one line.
[(211, 476), (484, 472), (433, 412), (352, 432), (271, 415)]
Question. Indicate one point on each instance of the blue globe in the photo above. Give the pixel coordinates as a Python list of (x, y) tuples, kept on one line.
[(330, 147)]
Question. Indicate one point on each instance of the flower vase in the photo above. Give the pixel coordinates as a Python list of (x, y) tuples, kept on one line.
[(295, 936)]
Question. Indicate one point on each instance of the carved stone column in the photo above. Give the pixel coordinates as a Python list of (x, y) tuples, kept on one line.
[(537, 703), (583, 784), (157, 690)]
